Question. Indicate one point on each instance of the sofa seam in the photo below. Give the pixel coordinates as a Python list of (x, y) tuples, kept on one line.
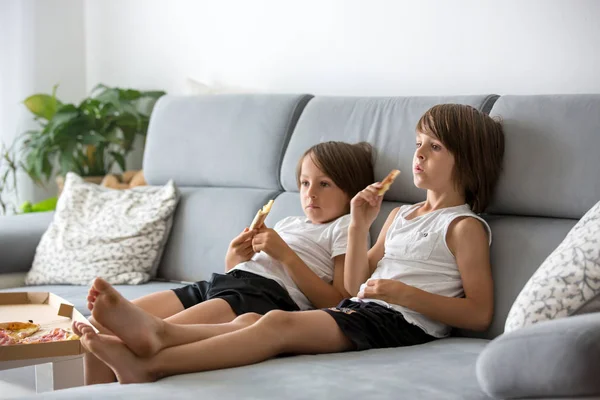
[(488, 103), (293, 119)]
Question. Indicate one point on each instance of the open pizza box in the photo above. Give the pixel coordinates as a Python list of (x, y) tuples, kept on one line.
[(46, 309)]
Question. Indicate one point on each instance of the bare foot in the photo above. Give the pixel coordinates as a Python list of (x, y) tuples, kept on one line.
[(81, 328), (127, 366), (76, 328), (140, 331)]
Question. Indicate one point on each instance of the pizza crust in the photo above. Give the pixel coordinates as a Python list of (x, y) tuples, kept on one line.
[(261, 215), (19, 330), (387, 181)]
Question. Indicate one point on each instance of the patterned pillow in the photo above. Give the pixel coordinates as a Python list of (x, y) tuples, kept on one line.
[(567, 282), (118, 235)]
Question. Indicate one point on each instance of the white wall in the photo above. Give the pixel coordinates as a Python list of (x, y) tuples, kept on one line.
[(347, 47), (334, 47), (42, 43)]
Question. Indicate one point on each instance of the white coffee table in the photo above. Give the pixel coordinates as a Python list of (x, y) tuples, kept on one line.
[(52, 373)]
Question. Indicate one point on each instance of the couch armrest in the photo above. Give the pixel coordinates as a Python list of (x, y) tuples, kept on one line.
[(13, 280), (549, 359), (19, 237)]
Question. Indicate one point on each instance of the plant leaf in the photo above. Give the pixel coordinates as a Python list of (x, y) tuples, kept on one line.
[(66, 163), (127, 95), (92, 138), (109, 96), (154, 93), (42, 105), (119, 159), (99, 86)]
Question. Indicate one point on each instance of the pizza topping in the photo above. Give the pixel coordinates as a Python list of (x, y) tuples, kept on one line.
[(5, 339), (10, 337)]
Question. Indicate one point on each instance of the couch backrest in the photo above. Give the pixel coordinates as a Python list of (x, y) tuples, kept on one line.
[(550, 179), (230, 154)]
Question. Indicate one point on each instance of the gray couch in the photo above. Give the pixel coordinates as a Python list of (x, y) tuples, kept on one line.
[(229, 154)]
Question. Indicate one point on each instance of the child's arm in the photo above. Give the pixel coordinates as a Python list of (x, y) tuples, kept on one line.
[(320, 293), (240, 249), (360, 261), (468, 241)]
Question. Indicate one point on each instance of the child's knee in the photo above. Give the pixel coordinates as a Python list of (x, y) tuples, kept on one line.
[(278, 320), (247, 319)]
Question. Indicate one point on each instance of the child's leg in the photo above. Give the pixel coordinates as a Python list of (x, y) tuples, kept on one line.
[(164, 304), (176, 335), (142, 332), (277, 332)]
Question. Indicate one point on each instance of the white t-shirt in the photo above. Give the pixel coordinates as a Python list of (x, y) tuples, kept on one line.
[(315, 244), (416, 254)]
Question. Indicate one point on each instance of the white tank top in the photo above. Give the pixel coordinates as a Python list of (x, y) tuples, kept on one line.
[(416, 253)]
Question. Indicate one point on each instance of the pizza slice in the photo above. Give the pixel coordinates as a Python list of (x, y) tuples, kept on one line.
[(55, 335), (261, 215), (18, 330), (387, 181)]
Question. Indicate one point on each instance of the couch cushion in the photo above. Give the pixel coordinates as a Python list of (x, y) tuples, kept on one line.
[(388, 123), (77, 295), (118, 235), (205, 222), (220, 140), (553, 358), (444, 369), (551, 165)]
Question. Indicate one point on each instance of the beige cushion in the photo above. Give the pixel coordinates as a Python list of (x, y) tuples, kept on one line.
[(118, 235)]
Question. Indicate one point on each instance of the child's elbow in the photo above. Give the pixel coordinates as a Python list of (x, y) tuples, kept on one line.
[(484, 321)]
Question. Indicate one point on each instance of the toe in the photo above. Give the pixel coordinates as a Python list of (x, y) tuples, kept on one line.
[(86, 329), (100, 285), (75, 328)]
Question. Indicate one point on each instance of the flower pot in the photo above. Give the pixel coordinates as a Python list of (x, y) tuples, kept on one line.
[(60, 181)]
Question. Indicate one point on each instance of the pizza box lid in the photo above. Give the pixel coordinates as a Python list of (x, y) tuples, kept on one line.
[(46, 309)]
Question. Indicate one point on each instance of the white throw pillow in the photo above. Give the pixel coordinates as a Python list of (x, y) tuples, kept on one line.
[(195, 87), (567, 282), (118, 235)]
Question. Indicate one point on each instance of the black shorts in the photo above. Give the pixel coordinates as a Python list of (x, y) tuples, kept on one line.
[(244, 291), (372, 326)]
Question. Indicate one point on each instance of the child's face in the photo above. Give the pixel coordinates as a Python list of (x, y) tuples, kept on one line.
[(322, 201), (433, 164)]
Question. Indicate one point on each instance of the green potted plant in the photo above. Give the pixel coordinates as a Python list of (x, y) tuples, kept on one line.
[(89, 138), (8, 179)]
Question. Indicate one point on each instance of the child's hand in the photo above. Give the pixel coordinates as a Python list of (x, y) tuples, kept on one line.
[(388, 290), (365, 206), (240, 249), (270, 242)]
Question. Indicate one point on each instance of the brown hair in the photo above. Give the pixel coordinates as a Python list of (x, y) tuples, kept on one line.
[(477, 142), (350, 166)]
